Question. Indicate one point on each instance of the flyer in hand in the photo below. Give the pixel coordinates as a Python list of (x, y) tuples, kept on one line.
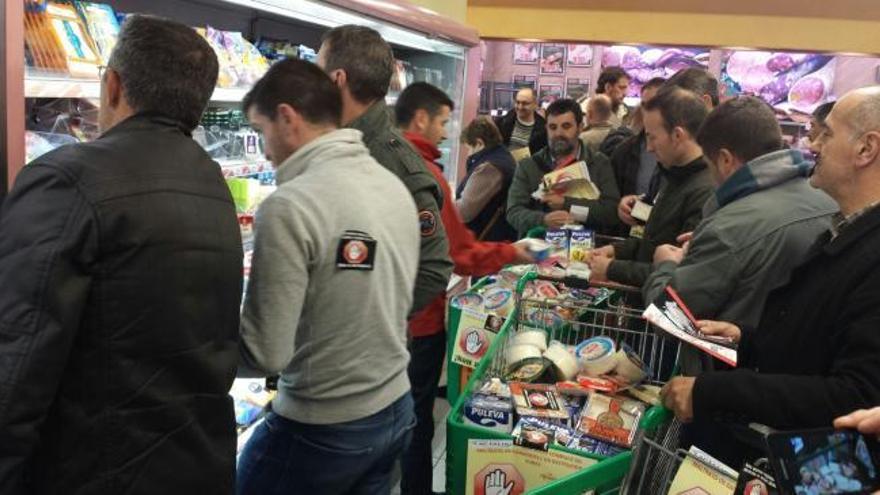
[(670, 314), (572, 181)]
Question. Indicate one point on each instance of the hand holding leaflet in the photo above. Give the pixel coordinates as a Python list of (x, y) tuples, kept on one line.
[(670, 314)]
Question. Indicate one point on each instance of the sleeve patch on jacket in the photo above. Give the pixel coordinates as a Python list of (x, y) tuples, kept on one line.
[(427, 223)]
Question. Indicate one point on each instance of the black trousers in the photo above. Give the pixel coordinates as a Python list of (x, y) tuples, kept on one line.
[(425, 367)]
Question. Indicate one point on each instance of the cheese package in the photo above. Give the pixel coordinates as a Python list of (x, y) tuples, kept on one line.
[(530, 369), (539, 434), (612, 419), (538, 400), (57, 39)]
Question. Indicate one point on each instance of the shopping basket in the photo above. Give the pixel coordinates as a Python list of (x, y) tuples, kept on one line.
[(619, 322)]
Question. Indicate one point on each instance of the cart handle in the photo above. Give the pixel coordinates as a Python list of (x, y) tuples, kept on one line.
[(655, 417)]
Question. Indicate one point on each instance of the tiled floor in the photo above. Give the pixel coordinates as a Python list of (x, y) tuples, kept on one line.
[(441, 408)]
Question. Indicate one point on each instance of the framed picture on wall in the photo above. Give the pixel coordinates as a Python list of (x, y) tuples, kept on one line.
[(577, 88), (503, 95), (524, 81), (552, 59), (525, 53), (548, 93), (580, 55)]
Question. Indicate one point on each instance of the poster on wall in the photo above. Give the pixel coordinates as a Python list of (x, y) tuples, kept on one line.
[(788, 81), (577, 88), (580, 55), (525, 53), (524, 81), (552, 59), (644, 63), (548, 93)]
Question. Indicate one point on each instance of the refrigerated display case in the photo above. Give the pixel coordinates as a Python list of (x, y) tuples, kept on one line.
[(55, 52), (51, 92)]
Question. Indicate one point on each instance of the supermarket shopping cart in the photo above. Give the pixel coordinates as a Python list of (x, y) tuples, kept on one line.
[(655, 465), (620, 322)]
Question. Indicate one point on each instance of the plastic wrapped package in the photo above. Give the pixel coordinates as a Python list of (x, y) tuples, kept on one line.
[(102, 25)]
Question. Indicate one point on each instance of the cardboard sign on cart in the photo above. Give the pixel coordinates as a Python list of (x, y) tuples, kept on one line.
[(494, 466), (475, 333)]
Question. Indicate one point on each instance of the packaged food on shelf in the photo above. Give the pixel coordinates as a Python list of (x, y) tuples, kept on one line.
[(57, 40), (102, 25)]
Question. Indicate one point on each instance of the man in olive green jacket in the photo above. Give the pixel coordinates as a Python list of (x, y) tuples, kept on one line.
[(524, 212), (361, 63)]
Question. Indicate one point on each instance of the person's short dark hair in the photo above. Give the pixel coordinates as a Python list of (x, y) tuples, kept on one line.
[(481, 128), (601, 107), (303, 86), (654, 82), (821, 112), (746, 126), (697, 80), (679, 108), (609, 75), (166, 67), (365, 57), (563, 106), (420, 96)]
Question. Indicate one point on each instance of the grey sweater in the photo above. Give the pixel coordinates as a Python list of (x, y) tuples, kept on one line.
[(338, 336)]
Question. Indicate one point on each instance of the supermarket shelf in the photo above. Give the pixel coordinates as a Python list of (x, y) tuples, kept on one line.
[(62, 87), (58, 87), (242, 168)]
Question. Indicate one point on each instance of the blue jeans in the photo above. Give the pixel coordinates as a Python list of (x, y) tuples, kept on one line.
[(287, 457)]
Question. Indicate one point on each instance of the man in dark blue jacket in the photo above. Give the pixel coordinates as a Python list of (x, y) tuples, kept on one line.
[(120, 263)]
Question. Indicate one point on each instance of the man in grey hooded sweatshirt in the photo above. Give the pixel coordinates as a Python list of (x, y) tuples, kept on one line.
[(335, 260), (755, 230)]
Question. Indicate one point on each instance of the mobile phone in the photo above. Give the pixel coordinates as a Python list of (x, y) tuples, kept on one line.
[(825, 461)]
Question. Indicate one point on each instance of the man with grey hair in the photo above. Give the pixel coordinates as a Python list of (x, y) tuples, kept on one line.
[(815, 354), (121, 268), (360, 62)]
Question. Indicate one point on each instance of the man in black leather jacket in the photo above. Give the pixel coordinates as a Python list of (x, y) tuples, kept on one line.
[(120, 263)]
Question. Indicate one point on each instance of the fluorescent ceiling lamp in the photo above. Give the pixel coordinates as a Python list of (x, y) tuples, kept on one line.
[(328, 16)]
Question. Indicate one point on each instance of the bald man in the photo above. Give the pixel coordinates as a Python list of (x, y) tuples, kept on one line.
[(523, 128), (598, 122), (815, 354)]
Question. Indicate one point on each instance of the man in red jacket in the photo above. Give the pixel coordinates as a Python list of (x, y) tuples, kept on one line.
[(422, 112)]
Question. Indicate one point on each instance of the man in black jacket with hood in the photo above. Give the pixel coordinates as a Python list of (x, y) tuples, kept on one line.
[(120, 261)]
